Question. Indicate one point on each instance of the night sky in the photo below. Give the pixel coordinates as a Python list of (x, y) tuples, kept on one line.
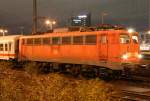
[(16, 13)]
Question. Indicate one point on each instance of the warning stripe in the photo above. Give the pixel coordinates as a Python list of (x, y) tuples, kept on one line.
[(7, 54)]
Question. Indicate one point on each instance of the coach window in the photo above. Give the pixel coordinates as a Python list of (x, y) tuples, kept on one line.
[(56, 40), (46, 41), (6, 47), (124, 39), (1, 47), (90, 39), (9, 46), (78, 40), (103, 39), (30, 41), (37, 41), (66, 40)]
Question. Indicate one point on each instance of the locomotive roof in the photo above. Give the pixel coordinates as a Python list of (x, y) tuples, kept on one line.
[(76, 33)]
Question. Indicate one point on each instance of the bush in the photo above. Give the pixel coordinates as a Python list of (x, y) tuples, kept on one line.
[(24, 86), (5, 65), (10, 91)]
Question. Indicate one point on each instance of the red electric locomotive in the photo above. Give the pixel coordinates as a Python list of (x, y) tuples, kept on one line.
[(111, 49)]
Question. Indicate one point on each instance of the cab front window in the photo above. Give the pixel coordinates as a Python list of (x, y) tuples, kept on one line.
[(135, 38), (124, 39)]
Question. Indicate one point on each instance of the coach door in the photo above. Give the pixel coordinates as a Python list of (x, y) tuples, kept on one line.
[(103, 47), (4, 51)]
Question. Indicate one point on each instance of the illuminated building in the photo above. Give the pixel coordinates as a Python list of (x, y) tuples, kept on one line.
[(81, 20)]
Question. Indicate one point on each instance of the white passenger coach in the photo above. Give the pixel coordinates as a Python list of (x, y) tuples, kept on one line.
[(9, 47)]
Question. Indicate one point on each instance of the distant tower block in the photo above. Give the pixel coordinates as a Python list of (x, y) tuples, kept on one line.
[(83, 19)]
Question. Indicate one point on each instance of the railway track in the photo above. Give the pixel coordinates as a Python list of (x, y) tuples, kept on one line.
[(134, 96), (137, 79), (135, 88)]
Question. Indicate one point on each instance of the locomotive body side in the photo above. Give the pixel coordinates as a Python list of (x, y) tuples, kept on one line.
[(111, 49), (55, 49)]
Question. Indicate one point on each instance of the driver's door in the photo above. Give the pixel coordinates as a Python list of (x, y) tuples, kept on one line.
[(103, 44)]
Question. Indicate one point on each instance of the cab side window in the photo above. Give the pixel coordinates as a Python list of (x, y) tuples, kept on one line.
[(124, 39)]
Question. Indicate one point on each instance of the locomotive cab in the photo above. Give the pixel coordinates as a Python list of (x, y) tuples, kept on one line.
[(129, 48), (119, 48), (129, 51)]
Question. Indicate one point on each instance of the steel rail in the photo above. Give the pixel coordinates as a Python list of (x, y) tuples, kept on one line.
[(135, 96)]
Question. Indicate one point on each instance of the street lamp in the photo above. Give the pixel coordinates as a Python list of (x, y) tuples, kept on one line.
[(148, 32), (102, 17), (131, 30), (50, 23), (3, 31)]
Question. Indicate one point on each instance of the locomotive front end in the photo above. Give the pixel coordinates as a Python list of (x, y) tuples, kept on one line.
[(130, 55)]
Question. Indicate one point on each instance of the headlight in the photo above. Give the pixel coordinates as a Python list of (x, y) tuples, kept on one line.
[(125, 56), (140, 56)]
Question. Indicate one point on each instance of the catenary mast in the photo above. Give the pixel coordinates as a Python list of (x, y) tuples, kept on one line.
[(34, 17)]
